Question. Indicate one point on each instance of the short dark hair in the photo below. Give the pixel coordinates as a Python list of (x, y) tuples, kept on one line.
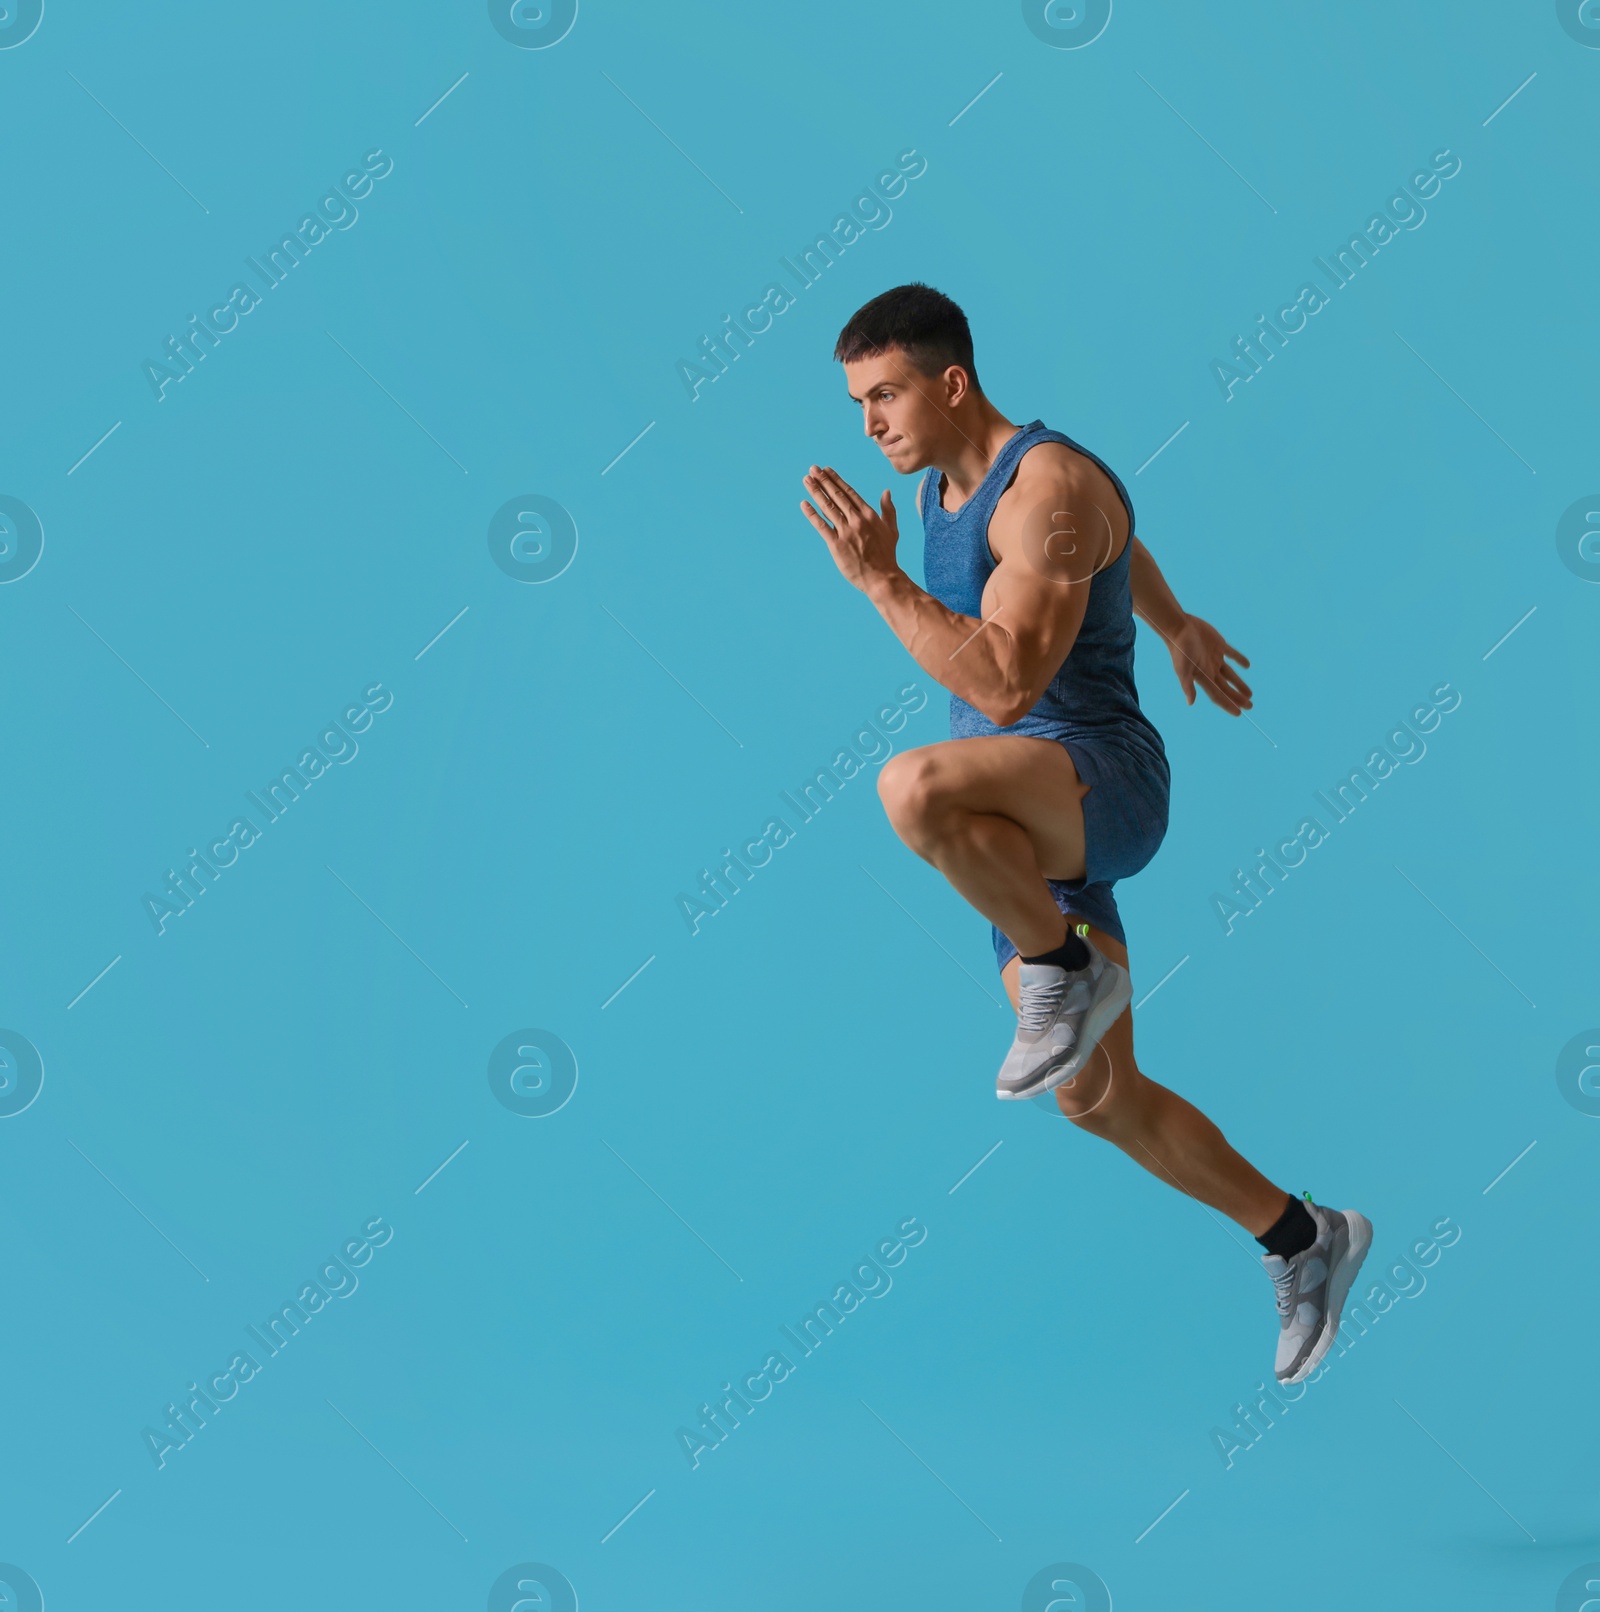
[(930, 328)]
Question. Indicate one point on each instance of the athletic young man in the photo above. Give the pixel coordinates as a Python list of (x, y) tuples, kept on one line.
[(1054, 783)]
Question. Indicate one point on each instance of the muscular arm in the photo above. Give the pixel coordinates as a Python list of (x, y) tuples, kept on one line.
[(1199, 652), (1001, 664), (1153, 600), (1033, 602)]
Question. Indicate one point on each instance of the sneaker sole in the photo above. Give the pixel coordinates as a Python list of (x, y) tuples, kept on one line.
[(1096, 1022), (1340, 1282)]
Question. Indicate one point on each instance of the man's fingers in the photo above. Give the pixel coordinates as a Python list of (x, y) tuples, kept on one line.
[(1215, 680), (817, 484), (815, 519), (1236, 685), (1225, 675), (825, 496), (1229, 649), (845, 495), (819, 491), (1221, 697)]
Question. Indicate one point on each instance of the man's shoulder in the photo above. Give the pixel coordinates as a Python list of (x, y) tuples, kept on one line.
[(1046, 465), (1057, 489), (1063, 478)]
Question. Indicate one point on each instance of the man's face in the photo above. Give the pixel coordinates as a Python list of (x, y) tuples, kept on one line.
[(902, 409)]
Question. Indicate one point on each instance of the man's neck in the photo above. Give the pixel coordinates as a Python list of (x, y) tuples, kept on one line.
[(976, 438)]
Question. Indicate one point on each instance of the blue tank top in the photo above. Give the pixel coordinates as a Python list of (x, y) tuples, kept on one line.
[(1093, 695)]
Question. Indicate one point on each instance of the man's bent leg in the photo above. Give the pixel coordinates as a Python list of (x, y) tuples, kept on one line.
[(1157, 1128), (997, 816)]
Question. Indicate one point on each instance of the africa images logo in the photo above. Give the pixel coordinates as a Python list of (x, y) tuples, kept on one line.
[(18, 22), (1403, 745), (1581, 20), (1405, 213), (1066, 24), (533, 24), (533, 1073), (194, 1410), (1066, 1587), (720, 1415), (22, 1593), (1577, 537), (336, 210), (868, 210), (533, 1587), (21, 539), (336, 745), (1577, 1072), (532, 538), (21, 1073), (869, 746)]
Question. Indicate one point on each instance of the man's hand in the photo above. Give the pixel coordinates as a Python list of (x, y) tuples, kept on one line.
[(1199, 655), (861, 539)]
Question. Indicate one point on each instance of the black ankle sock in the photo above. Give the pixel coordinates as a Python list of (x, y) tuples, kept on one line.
[(1291, 1233), (1071, 954)]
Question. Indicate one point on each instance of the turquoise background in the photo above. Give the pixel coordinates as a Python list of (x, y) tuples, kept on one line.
[(299, 518)]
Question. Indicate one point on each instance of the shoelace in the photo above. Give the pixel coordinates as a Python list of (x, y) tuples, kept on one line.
[(1284, 1283), (1039, 1003)]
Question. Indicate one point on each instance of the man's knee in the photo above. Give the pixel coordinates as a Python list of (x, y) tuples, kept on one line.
[(910, 787), (1100, 1098)]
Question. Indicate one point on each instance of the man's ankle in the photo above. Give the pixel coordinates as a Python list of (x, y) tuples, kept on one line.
[(1072, 953), (1291, 1233)]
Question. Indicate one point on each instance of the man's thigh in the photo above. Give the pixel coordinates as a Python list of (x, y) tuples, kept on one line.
[(1031, 781)]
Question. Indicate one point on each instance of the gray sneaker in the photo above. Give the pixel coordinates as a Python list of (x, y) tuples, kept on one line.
[(1060, 1020), (1312, 1288)]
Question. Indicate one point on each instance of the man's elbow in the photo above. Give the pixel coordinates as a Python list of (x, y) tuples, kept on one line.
[(1006, 709), (1011, 694)]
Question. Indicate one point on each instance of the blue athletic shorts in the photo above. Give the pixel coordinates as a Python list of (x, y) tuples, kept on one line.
[(1124, 823)]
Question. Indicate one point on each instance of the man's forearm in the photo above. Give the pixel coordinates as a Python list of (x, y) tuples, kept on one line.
[(971, 658), (1153, 600)]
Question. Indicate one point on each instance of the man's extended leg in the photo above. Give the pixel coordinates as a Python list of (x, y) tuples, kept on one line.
[(1313, 1253), (1157, 1128)]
